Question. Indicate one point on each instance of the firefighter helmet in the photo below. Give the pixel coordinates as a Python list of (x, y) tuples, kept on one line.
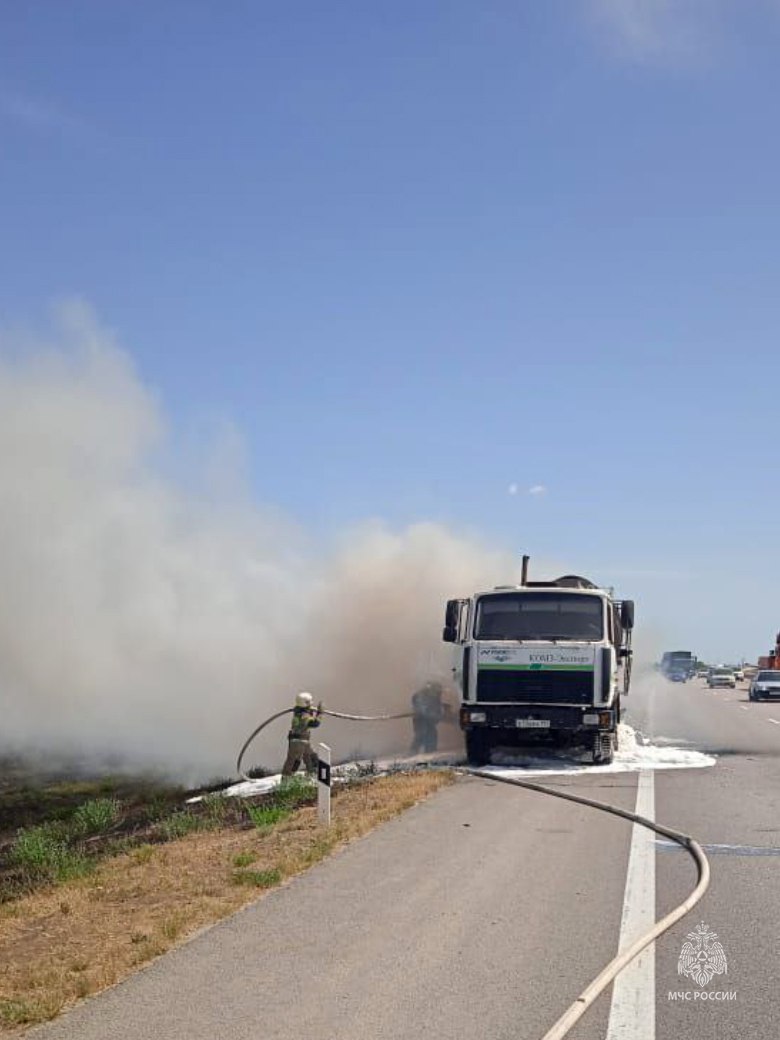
[(304, 700)]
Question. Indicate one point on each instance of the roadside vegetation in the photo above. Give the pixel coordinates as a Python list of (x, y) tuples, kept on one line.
[(111, 873)]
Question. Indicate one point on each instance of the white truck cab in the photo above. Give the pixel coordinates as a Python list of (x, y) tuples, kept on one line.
[(541, 663)]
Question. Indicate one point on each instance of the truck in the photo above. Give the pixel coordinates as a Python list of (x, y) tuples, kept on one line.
[(542, 663), (772, 659), (679, 665)]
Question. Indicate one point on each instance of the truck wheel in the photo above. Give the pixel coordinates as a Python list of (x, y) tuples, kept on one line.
[(477, 748)]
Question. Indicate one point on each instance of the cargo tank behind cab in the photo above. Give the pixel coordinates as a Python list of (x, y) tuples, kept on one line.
[(541, 663)]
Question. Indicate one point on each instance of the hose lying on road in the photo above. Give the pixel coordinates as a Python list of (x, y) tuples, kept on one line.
[(334, 714), (615, 966), (609, 973)]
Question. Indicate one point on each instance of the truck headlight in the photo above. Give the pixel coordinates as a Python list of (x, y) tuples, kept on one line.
[(478, 716), (590, 720)]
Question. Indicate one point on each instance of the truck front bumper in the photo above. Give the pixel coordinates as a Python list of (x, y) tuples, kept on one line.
[(534, 721)]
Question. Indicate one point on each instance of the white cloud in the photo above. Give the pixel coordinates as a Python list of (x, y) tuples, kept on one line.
[(513, 489), (38, 115), (537, 490), (667, 31)]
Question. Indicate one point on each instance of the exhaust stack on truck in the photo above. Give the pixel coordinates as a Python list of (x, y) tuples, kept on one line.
[(541, 663)]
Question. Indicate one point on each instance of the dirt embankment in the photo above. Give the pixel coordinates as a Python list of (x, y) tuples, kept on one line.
[(65, 941)]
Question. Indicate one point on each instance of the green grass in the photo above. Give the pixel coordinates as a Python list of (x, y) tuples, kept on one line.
[(258, 878), (143, 853), (157, 808), (293, 791), (16, 1012), (267, 815), (96, 816), (244, 859), (179, 824), (60, 830), (215, 809), (44, 854)]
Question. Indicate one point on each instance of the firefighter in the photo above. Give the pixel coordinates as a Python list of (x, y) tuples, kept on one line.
[(428, 712), (299, 749)]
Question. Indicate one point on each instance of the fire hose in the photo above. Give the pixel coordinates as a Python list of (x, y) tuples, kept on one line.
[(609, 973), (323, 711), (611, 970)]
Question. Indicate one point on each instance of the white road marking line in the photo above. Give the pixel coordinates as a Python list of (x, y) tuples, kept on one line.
[(742, 706), (718, 849), (632, 1013), (775, 722)]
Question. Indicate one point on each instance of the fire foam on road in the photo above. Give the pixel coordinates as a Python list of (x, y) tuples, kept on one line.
[(634, 754)]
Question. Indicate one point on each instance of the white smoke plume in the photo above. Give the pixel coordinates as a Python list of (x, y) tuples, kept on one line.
[(143, 620)]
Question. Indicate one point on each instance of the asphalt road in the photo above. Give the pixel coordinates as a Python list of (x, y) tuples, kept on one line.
[(483, 912)]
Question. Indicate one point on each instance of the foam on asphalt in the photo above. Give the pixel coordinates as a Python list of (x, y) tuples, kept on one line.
[(635, 754)]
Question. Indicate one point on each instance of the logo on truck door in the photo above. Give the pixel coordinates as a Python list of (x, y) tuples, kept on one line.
[(527, 659), (499, 656)]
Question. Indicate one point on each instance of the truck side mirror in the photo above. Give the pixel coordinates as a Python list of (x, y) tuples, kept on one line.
[(450, 634), (452, 615), (627, 613)]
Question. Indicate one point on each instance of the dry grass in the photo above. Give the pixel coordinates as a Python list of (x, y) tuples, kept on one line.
[(72, 940)]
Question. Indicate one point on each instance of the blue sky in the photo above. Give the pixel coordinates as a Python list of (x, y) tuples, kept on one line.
[(426, 257)]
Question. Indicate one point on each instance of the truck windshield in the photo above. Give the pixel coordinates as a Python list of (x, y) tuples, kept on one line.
[(539, 615)]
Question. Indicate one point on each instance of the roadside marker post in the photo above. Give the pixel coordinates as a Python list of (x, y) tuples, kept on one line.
[(323, 785)]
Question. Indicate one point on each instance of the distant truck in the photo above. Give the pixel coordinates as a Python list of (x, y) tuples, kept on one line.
[(679, 665), (541, 663)]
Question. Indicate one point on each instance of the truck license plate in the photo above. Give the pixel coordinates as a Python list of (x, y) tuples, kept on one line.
[(532, 723)]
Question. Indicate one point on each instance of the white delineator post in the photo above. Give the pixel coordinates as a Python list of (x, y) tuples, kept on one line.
[(323, 785)]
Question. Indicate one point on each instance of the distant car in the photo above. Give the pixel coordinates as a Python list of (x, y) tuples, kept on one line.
[(721, 677), (765, 685), (739, 675), (678, 676)]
